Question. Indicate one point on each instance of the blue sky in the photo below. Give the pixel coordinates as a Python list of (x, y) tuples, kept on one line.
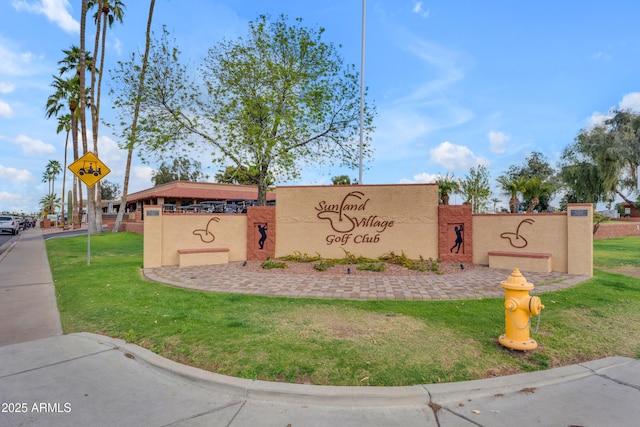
[(456, 83)]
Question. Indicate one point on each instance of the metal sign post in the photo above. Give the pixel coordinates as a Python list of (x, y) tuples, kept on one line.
[(89, 169)]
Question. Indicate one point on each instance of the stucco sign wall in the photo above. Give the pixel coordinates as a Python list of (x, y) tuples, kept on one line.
[(364, 220)]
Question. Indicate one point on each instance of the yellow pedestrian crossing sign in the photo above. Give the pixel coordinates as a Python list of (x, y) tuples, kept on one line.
[(89, 169)]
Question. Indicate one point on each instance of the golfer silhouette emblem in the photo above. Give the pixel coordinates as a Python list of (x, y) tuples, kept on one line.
[(456, 245), (263, 235)]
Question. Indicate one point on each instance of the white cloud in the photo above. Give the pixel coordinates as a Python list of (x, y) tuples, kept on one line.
[(140, 178), (6, 197), (631, 101), (6, 111), (108, 151), (55, 10), (446, 64), (456, 157), (417, 8), (6, 87), (498, 142), (10, 174), (16, 63), (421, 178), (598, 119), (117, 45), (33, 147), (601, 56)]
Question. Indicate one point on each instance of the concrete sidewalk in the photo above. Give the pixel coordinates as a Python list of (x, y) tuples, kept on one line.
[(28, 308), (49, 379)]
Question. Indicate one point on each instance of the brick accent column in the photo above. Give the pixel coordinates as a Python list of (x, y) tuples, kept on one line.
[(451, 218), (261, 221)]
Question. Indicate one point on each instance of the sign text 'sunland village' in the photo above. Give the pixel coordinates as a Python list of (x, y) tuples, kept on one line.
[(350, 220)]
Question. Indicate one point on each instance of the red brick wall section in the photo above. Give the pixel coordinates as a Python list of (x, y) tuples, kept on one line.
[(450, 217), (610, 230), (133, 227), (258, 217)]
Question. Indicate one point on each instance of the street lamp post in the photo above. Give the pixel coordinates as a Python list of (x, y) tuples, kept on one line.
[(364, 14)]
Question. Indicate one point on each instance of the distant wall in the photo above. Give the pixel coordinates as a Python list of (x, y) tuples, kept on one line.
[(613, 229)]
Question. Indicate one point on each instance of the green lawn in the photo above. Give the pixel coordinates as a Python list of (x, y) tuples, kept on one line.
[(334, 341)]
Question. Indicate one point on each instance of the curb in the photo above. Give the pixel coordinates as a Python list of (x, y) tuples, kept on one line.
[(347, 396)]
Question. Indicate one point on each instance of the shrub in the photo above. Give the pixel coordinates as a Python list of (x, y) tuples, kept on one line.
[(377, 267)]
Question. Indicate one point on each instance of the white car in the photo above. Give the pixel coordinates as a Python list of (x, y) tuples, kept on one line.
[(8, 224)]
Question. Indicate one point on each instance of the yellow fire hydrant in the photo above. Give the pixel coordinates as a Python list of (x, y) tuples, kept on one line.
[(519, 306)]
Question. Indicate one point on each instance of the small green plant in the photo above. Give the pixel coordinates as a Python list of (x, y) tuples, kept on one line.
[(269, 264), (377, 267), (300, 257), (324, 265), (420, 264), (350, 258)]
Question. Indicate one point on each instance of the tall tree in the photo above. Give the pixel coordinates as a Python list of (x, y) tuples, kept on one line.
[(512, 186), (341, 180), (68, 88), (602, 162), (475, 187), (49, 203), (273, 101), (107, 12), (181, 169), (83, 92), (447, 184), (110, 190), (537, 166), (66, 95), (534, 190), (129, 102), (244, 175), (52, 170), (64, 124)]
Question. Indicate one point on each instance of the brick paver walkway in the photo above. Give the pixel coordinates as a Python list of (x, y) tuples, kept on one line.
[(478, 282)]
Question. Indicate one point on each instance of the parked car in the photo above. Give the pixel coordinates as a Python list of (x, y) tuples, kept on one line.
[(9, 224)]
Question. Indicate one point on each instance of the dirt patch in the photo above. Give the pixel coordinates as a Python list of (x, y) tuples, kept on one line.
[(627, 270), (355, 325)]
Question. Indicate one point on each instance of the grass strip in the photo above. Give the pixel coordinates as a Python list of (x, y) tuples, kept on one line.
[(338, 342)]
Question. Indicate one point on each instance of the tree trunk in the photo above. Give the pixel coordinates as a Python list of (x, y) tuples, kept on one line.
[(134, 124), (96, 212), (64, 178), (513, 205)]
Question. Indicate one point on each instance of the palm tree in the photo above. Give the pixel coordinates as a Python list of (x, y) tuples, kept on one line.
[(64, 123), (49, 203), (51, 171), (81, 69), (512, 187), (534, 189), (108, 11), (134, 124), (495, 201), (67, 95), (447, 184)]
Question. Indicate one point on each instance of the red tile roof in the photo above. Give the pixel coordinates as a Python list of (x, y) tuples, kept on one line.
[(200, 191)]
